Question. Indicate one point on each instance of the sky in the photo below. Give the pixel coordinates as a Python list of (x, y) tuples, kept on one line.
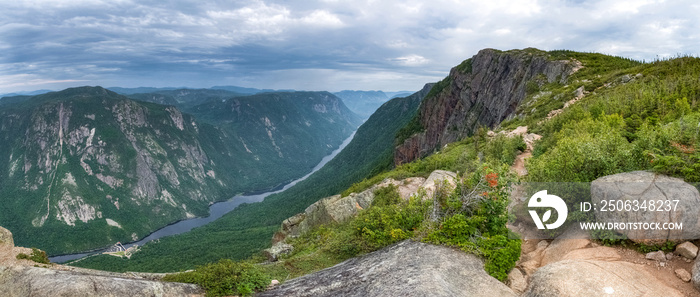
[(328, 45)]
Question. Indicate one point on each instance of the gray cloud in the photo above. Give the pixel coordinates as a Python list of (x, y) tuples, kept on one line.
[(315, 45)]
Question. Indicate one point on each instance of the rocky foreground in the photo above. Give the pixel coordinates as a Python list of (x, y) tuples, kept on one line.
[(571, 265), (28, 278)]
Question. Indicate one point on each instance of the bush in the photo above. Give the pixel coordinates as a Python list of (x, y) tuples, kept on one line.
[(37, 255), (389, 220), (585, 151), (476, 221), (225, 278)]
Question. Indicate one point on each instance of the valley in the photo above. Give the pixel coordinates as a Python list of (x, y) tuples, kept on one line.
[(86, 167)]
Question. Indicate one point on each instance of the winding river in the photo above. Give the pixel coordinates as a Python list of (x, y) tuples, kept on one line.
[(216, 211)]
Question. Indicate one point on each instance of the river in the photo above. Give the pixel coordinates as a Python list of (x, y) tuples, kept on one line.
[(216, 211)]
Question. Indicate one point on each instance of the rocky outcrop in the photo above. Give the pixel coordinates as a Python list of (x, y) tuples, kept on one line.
[(20, 278), (596, 278), (32, 281), (336, 209), (405, 269), (650, 190), (481, 92)]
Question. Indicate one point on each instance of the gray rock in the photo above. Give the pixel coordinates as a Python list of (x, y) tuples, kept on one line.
[(436, 180), (6, 238), (33, 281), (641, 187), (625, 78), (658, 256), (696, 274), (596, 278), (405, 269), (273, 253), (687, 249)]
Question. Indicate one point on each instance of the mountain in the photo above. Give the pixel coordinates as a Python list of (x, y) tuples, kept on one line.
[(393, 95), (363, 103), (129, 91), (86, 167), (184, 98), (26, 93), (249, 91), (480, 92), (248, 228)]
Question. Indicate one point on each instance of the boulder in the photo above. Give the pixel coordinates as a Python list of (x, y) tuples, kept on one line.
[(646, 189), (405, 269), (658, 256), (687, 249), (683, 274), (696, 274), (33, 281), (273, 253), (6, 238), (596, 278), (436, 180)]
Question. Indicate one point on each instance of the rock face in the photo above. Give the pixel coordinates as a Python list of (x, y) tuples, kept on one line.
[(482, 91), (596, 278), (645, 188), (32, 281), (405, 269)]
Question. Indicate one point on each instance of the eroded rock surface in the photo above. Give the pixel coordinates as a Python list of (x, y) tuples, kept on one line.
[(405, 269), (33, 281)]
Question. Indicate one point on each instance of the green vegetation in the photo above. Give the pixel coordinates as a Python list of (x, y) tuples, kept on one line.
[(37, 255), (650, 123), (225, 278)]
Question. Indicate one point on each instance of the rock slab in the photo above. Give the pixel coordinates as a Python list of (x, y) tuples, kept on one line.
[(650, 190), (33, 281), (405, 269), (596, 278)]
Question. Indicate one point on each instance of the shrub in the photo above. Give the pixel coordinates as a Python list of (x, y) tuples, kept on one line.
[(225, 278), (475, 221), (389, 220), (37, 255)]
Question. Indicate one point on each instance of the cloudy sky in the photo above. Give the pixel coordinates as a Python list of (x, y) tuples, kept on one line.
[(313, 44)]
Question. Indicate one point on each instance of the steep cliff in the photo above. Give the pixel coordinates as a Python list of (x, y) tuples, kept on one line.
[(480, 92), (86, 167)]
